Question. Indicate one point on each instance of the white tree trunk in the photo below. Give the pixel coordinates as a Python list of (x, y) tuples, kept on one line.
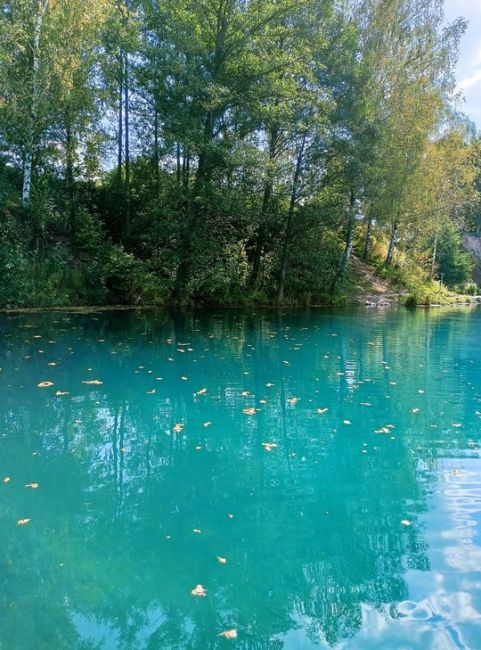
[(30, 140)]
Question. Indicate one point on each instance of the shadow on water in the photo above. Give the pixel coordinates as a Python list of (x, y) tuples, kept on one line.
[(361, 411)]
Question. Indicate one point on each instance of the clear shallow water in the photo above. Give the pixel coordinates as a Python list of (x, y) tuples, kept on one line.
[(316, 554)]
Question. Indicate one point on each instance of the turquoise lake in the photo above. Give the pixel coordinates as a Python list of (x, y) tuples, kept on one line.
[(317, 473)]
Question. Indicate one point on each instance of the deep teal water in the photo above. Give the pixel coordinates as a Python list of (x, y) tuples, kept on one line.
[(316, 554)]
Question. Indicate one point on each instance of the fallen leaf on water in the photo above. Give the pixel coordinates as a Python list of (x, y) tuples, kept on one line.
[(221, 560), (250, 411), (178, 427), (229, 634), (92, 382), (34, 486), (405, 522), (199, 591), (45, 384), (202, 391), (269, 446), (22, 522)]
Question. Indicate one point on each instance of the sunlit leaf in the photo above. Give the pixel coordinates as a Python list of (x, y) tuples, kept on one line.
[(249, 411), (199, 591), (269, 446)]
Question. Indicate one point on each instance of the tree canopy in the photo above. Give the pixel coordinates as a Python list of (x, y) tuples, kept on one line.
[(228, 151)]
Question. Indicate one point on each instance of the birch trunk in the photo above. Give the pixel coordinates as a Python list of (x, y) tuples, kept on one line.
[(346, 258), (127, 147), (266, 200), (290, 221), (30, 140), (392, 244), (368, 240)]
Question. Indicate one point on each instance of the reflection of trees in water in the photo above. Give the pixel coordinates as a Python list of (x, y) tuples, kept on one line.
[(316, 531)]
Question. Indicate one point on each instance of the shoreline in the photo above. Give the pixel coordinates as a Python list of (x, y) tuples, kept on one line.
[(367, 302)]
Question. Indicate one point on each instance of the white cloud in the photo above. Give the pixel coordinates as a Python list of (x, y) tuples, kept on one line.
[(469, 82)]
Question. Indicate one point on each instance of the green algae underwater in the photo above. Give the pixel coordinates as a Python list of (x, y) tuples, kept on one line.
[(219, 479)]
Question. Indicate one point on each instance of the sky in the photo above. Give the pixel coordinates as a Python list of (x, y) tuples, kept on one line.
[(468, 72)]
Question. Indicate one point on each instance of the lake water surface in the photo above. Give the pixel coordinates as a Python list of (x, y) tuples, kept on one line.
[(318, 473)]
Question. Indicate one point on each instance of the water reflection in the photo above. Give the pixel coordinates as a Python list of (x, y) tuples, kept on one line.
[(164, 444)]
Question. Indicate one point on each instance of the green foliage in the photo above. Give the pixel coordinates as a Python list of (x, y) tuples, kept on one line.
[(454, 265)]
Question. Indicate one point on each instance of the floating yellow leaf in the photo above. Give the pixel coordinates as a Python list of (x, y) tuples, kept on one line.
[(92, 382), (45, 384), (221, 560), (269, 446), (199, 591), (249, 411), (229, 634), (34, 486), (22, 522)]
